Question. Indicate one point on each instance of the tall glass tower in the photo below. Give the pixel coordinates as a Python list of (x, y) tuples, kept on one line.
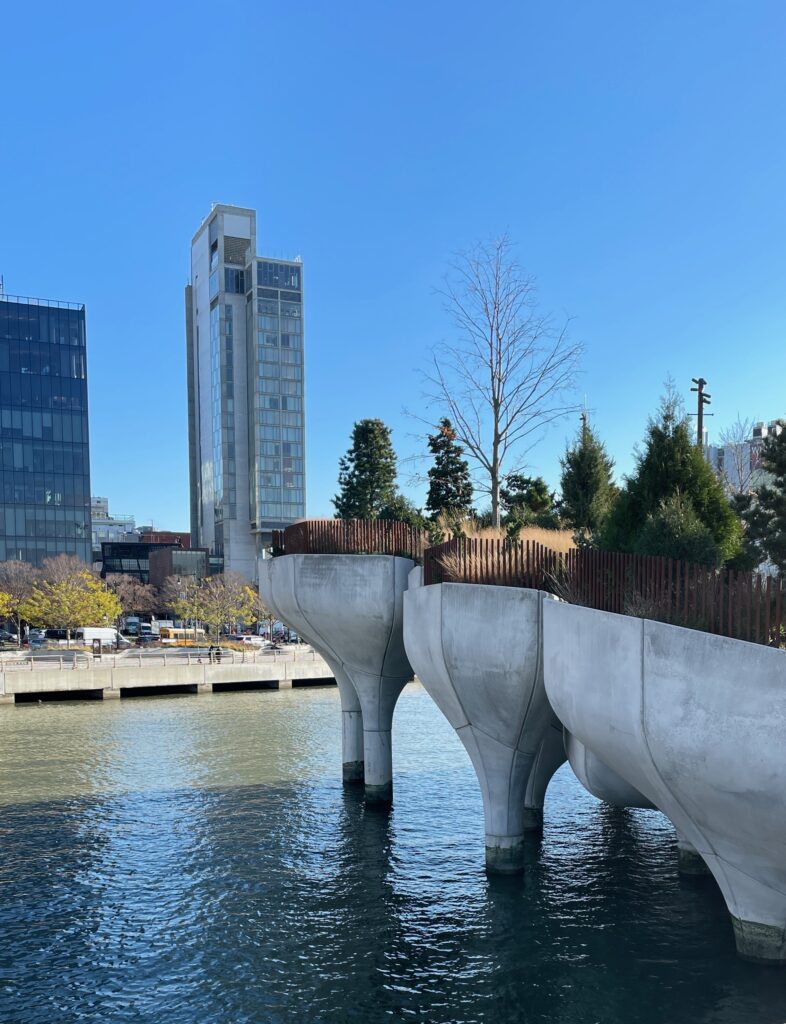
[(244, 340), (44, 445)]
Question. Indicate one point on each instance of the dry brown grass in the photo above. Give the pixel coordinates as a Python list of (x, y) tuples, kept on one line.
[(488, 567)]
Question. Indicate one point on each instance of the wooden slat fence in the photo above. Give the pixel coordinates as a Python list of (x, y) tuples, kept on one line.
[(351, 537), (743, 605)]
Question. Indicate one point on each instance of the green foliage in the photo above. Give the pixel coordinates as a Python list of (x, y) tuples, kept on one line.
[(69, 596), (401, 510), (675, 531), (764, 513), (528, 502), (450, 488), (671, 464), (588, 491), (367, 473)]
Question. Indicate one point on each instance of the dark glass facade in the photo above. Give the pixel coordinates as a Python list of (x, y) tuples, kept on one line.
[(44, 445)]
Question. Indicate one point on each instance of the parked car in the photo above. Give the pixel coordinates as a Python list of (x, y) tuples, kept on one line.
[(8, 638)]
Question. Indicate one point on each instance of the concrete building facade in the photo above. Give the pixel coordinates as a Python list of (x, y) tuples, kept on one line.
[(44, 444), (244, 340)]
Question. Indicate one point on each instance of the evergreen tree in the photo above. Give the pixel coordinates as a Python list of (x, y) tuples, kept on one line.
[(450, 487), (528, 501), (401, 510), (588, 491), (764, 512), (675, 531), (367, 473), (671, 464)]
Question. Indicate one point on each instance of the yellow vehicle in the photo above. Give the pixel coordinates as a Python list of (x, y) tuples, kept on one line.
[(182, 636)]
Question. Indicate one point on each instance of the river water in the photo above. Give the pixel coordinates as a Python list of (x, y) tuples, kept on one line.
[(195, 860)]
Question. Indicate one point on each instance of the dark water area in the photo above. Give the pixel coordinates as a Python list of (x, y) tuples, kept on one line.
[(196, 860)]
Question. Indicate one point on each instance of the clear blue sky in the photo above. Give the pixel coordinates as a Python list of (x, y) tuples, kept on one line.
[(635, 152)]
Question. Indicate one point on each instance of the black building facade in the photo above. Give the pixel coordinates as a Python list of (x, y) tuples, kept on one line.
[(44, 444)]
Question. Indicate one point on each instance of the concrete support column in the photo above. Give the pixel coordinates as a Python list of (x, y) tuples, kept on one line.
[(689, 860), (489, 685), (110, 694), (377, 695)]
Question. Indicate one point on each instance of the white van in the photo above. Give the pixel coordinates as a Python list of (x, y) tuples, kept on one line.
[(87, 634)]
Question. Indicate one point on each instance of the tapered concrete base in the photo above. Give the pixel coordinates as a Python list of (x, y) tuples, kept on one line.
[(378, 765), (352, 771), (761, 943), (533, 819), (689, 860), (380, 795), (504, 855)]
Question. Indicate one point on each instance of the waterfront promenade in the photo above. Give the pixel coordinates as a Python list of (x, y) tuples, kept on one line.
[(75, 674)]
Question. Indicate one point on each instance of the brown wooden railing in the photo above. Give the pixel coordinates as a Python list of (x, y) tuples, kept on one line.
[(351, 537), (744, 605)]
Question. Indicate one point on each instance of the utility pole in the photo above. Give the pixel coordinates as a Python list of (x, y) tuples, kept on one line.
[(703, 398)]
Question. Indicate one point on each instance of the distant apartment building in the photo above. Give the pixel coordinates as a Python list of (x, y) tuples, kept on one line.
[(738, 465), (110, 528), (44, 442), (244, 340)]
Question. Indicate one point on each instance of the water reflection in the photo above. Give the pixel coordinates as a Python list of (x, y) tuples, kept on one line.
[(186, 860)]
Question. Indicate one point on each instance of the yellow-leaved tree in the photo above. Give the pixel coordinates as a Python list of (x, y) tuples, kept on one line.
[(68, 596), (226, 599)]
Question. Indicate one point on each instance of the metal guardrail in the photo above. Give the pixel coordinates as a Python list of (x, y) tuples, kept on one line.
[(86, 661)]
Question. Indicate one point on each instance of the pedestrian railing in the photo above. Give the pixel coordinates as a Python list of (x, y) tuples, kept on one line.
[(166, 658)]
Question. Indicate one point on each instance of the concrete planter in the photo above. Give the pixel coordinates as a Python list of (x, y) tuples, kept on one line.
[(696, 724), (478, 652), (349, 608)]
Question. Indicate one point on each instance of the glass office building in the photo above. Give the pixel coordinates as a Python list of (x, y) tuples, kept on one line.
[(45, 465), (244, 332)]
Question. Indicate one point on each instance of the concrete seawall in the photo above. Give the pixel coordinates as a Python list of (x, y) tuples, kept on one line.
[(113, 679)]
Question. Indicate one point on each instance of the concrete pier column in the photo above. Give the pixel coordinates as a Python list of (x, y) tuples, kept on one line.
[(689, 860), (349, 607), (694, 722), (477, 650)]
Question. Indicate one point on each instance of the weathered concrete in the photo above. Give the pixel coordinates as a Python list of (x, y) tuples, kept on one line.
[(600, 780), (478, 652), (349, 607), (695, 722)]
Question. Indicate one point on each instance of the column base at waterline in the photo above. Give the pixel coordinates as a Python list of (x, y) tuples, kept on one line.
[(690, 862), (352, 771), (380, 795), (532, 819), (504, 855), (760, 943), (110, 694), (204, 687)]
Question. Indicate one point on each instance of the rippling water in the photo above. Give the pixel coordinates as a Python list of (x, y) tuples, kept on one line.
[(195, 860)]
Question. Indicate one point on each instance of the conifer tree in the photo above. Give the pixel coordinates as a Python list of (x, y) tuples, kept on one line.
[(671, 464), (588, 491), (367, 473), (450, 487), (764, 512)]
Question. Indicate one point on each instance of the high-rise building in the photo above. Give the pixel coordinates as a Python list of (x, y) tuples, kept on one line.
[(246, 421), (45, 462)]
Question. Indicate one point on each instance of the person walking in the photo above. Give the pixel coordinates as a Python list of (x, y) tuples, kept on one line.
[(210, 654)]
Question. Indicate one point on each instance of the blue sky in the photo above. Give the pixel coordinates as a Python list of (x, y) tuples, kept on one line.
[(636, 153)]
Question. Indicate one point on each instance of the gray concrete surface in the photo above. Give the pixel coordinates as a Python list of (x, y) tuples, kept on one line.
[(349, 607), (695, 723), (113, 675), (478, 652)]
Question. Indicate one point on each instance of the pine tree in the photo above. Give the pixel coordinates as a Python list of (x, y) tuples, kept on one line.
[(764, 512), (450, 487), (671, 464), (367, 473), (588, 491)]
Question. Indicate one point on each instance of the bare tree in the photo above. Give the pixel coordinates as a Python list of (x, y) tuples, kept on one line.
[(17, 579), (137, 598), (739, 465), (509, 373)]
